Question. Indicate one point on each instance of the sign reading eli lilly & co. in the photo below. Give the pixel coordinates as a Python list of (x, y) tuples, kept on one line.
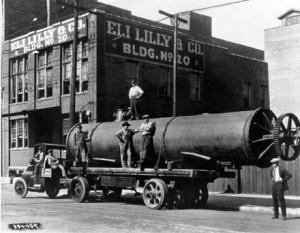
[(56, 34), (152, 43)]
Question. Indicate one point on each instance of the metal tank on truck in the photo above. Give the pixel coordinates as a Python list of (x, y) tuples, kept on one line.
[(240, 138)]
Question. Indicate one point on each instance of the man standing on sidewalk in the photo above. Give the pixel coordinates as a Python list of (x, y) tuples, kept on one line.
[(279, 177)]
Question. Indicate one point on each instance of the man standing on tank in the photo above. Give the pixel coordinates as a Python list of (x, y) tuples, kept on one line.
[(80, 143), (147, 130), (125, 136), (135, 92)]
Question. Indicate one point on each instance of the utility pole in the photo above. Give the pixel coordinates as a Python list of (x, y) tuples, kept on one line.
[(74, 66), (48, 13), (176, 21)]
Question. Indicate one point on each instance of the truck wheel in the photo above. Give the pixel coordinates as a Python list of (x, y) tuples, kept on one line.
[(20, 187), (155, 193), (51, 187), (201, 196), (79, 189)]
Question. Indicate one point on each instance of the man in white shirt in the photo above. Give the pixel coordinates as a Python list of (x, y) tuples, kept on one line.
[(135, 92), (279, 177)]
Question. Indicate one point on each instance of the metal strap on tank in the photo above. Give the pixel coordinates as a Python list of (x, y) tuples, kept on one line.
[(163, 142), (90, 150), (68, 137)]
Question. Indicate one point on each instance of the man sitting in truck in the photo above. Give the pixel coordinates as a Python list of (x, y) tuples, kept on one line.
[(52, 162), (38, 157)]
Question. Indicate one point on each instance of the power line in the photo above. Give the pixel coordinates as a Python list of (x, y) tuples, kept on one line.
[(206, 8)]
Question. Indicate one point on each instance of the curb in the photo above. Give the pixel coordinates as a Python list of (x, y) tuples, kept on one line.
[(269, 210), (5, 180)]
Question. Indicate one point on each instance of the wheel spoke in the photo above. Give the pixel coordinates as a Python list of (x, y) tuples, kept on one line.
[(283, 127), (262, 127), (289, 123), (271, 126), (265, 151), (262, 140)]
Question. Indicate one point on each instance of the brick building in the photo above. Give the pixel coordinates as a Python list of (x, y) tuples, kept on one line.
[(282, 52), (213, 76)]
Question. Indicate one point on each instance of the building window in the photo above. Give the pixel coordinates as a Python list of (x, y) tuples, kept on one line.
[(247, 94), (165, 82), (263, 95), (195, 91), (19, 80), (81, 83), (19, 133), (44, 79)]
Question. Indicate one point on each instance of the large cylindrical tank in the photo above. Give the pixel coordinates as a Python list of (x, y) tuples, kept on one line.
[(234, 137)]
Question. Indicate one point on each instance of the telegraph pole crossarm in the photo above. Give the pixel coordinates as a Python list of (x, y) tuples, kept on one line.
[(176, 20)]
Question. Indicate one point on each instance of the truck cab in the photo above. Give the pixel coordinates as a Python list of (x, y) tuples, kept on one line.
[(47, 179)]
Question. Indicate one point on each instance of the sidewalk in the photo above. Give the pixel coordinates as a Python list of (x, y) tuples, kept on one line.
[(232, 202), (252, 203)]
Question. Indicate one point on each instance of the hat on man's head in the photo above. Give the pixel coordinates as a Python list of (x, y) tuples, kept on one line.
[(49, 150), (145, 116), (125, 123), (275, 160)]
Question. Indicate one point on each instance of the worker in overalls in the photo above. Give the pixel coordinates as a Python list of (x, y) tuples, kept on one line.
[(80, 143), (125, 136), (147, 130)]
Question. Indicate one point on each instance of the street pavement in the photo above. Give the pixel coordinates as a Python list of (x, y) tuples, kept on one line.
[(226, 213)]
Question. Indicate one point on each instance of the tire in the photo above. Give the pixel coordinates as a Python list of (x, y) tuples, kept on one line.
[(201, 196), (20, 187), (79, 189), (51, 188), (155, 193)]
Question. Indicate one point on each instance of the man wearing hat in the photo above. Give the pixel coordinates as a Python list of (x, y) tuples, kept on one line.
[(81, 146), (147, 130), (279, 177), (125, 136), (52, 162)]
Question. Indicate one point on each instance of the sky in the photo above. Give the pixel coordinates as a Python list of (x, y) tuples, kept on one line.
[(242, 23)]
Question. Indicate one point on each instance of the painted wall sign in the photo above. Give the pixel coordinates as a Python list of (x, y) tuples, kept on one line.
[(149, 43), (48, 37)]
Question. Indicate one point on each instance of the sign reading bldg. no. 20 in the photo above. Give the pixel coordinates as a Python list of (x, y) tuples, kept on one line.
[(149, 43)]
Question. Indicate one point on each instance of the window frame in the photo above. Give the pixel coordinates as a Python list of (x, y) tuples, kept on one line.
[(195, 96), (19, 80), (263, 95), (81, 82), (47, 64), (247, 94), (165, 86), (19, 134)]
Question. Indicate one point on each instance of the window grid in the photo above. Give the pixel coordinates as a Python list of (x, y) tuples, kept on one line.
[(81, 83), (44, 74), (19, 80), (195, 88), (19, 133)]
